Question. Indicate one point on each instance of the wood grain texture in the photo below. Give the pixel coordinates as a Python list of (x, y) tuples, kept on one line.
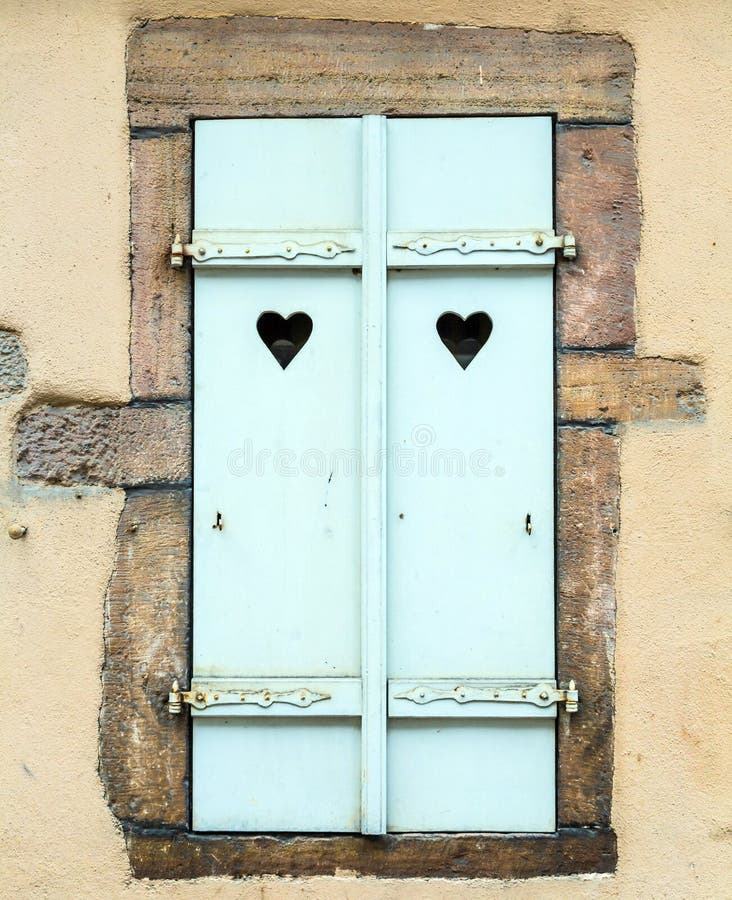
[(597, 200), (568, 852), (143, 752), (181, 69), (127, 446), (587, 538), (607, 388), (160, 342)]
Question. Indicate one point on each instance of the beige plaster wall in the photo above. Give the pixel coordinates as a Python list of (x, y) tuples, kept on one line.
[(63, 259)]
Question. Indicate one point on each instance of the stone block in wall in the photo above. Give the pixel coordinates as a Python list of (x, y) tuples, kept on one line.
[(605, 388), (13, 369), (587, 538), (143, 756), (183, 69), (160, 344), (127, 446), (597, 200)]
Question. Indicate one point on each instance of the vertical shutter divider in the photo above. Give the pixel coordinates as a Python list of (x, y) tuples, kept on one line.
[(373, 479)]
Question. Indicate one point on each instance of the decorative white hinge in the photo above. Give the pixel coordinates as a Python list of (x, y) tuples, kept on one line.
[(536, 242), (203, 697), (541, 694), (212, 246)]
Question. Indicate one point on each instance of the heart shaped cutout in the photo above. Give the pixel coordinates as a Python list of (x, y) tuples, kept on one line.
[(464, 338), (284, 337)]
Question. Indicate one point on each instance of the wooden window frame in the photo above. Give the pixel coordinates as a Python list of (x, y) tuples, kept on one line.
[(183, 69)]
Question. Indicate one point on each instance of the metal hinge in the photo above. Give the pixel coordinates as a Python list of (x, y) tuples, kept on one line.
[(202, 697), (541, 694), (536, 242), (215, 246)]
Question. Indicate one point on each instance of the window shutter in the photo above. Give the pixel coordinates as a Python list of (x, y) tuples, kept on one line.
[(470, 592), (373, 476), (277, 588)]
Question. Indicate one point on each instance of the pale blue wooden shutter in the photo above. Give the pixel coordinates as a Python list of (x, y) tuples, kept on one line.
[(470, 592), (277, 589), (365, 482)]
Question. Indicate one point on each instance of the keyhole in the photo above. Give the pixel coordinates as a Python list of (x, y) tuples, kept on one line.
[(528, 523), (219, 523)]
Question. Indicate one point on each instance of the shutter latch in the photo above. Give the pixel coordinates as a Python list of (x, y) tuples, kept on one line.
[(203, 696), (541, 694)]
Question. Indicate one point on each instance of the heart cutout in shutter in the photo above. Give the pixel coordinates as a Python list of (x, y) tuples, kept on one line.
[(464, 338), (284, 337)]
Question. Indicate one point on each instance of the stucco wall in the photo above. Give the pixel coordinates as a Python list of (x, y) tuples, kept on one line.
[(63, 220)]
